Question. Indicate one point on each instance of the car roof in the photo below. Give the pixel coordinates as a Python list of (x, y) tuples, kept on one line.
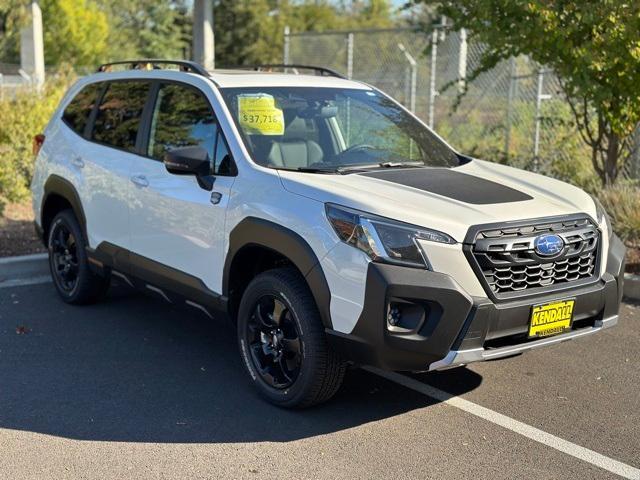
[(236, 78), (244, 78)]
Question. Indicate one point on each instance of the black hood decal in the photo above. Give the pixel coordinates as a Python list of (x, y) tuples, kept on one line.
[(451, 184)]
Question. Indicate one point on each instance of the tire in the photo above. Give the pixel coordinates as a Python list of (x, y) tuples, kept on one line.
[(68, 262), (319, 371)]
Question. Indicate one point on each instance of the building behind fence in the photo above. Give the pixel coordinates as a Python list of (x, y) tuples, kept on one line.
[(514, 113)]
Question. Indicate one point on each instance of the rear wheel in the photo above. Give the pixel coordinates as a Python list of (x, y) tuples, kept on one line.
[(72, 277), (283, 344)]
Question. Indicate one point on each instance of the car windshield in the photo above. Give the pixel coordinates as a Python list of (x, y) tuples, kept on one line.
[(332, 130)]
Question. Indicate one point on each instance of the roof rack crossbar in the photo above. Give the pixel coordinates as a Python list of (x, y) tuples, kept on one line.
[(321, 70), (183, 65)]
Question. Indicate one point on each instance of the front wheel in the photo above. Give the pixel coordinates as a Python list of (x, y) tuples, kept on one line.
[(283, 344)]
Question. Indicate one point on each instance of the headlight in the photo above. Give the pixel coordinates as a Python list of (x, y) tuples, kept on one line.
[(601, 216), (382, 239)]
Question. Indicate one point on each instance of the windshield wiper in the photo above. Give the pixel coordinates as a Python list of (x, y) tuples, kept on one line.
[(402, 164), (369, 166), (310, 170), (353, 168)]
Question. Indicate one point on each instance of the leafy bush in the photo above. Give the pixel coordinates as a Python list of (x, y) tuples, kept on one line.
[(24, 115), (622, 202)]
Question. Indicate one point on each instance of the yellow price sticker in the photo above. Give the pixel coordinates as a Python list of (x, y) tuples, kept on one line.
[(258, 115)]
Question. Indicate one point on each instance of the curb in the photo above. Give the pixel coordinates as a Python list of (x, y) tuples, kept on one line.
[(23, 267), (632, 286)]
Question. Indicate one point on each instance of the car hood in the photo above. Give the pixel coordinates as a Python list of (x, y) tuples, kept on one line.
[(446, 199)]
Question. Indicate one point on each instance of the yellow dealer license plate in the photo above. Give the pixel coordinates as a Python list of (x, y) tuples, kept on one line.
[(551, 318)]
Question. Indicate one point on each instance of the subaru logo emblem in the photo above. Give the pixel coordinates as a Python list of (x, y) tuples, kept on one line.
[(548, 245)]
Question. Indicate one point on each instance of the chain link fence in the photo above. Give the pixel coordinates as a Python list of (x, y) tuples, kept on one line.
[(515, 113)]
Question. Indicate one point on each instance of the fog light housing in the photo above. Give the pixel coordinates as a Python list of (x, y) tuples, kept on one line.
[(405, 316), (393, 314)]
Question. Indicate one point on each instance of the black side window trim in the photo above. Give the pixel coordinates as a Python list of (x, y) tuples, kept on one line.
[(144, 133), (88, 128), (145, 125), (233, 169)]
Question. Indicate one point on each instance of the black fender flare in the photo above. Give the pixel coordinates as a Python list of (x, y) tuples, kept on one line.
[(56, 185), (253, 231)]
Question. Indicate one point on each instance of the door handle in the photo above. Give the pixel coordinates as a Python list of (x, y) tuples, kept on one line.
[(140, 180), (77, 162)]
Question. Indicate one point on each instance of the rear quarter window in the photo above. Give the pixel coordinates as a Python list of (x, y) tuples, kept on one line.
[(120, 113), (77, 112)]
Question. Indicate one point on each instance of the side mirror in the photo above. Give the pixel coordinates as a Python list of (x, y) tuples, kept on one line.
[(190, 161), (186, 161)]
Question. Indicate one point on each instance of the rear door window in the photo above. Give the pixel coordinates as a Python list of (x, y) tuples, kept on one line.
[(77, 112), (120, 113)]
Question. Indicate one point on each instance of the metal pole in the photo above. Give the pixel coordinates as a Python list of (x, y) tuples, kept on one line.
[(414, 83), (349, 55), (536, 138), (432, 77), (462, 60), (349, 76), (203, 39), (287, 41), (32, 46), (511, 94), (407, 84), (414, 75)]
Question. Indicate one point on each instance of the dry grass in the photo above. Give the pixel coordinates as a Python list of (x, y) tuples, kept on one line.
[(623, 205)]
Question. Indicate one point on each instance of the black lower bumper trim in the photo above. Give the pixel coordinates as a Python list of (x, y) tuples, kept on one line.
[(373, 342), (449, 320)]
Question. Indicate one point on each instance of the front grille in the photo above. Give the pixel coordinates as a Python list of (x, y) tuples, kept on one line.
[(509, 266)]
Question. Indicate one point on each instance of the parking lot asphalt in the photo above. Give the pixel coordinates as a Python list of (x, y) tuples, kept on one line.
[(135, 388)]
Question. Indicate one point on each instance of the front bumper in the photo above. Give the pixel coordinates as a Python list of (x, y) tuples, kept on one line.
[(448, 328), (456, 358)]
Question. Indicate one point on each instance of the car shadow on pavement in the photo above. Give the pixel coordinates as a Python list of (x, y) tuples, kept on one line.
[(138, 370)]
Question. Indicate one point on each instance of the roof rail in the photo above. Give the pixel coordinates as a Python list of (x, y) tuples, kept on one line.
[(154, 64), (292, 66)]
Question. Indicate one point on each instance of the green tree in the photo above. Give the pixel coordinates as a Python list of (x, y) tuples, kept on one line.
[(251, 31), (24, 115), (592, 45), (75, 32), (147, 28), (313, 16), (11, 20), (247, 32), (370, 14)]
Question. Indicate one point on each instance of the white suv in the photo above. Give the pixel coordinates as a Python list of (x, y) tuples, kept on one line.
[(328, 222)]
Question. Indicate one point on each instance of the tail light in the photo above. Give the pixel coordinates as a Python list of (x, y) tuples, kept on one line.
[(38, 141)]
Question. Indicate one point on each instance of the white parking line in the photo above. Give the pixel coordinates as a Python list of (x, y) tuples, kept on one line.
[(594, 458), (21, 282)]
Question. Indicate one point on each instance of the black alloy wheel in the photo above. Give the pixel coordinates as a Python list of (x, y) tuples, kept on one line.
[(274, 342), (72, 276), (283, 342), (64, 257)]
